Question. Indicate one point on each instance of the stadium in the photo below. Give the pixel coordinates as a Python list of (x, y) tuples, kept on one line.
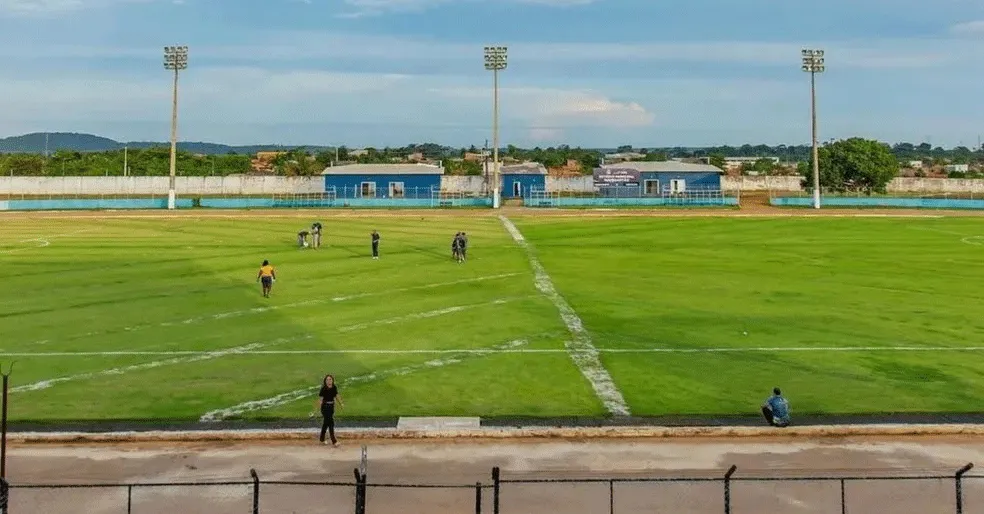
[(533, 326)]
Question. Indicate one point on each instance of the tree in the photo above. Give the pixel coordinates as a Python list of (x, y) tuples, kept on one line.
[(855, 164), (716, 159)]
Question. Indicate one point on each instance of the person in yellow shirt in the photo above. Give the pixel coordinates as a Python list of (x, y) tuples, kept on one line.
[(266, 276)]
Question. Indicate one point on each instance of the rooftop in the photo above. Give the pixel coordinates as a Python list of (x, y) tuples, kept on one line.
[(384, 169), (665, 167), (526, 168)]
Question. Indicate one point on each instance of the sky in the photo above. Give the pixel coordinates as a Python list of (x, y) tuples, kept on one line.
[(590, 73)]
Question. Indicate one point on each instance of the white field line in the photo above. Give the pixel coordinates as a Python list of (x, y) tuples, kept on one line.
[(425, 315), (973, 240), (300, 394), (201, 356), (359, 351), (42, 242), (270, 308), (582, 350)]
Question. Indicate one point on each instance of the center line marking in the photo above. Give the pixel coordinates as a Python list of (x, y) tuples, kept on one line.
[(581, 349)]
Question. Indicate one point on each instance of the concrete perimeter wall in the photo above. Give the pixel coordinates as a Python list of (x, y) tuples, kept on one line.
[(235, 185), (91, 186)]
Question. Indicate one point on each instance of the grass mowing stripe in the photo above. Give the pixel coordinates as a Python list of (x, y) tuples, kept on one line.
[(45, 384), (357, 351), (583, 352), (305, 303), (428, 314), (292, 396)]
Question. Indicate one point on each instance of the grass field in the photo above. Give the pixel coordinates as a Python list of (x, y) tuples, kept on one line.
[(162, 318)]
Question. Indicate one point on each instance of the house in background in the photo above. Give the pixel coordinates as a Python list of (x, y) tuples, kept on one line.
[(517, 180), (383, 180), (671, 177)]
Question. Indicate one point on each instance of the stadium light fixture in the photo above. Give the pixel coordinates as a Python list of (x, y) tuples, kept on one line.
[(495, 61), (175, 59), (813, 63)]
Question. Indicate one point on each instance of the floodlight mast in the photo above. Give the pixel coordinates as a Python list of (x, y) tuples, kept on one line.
[(175, 59), (813, 63), (495, 61)]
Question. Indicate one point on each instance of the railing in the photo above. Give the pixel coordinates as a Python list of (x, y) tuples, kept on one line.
[(729, 492), (629, 196)]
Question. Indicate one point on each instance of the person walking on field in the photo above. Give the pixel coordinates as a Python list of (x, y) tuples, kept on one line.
[(375, 245), (326, 404), (266, 277)]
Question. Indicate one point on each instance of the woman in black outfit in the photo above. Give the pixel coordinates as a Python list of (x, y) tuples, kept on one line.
[(326, 403)]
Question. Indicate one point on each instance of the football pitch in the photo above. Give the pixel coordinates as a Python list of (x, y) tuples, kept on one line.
[(162, 318)]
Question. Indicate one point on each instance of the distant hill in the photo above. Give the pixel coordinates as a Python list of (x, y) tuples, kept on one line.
[(36, 143)]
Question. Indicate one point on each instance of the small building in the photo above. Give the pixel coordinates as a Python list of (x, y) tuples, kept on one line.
[(950, 168), (916, 165), (383, 180), (655, 178), (519, 179)]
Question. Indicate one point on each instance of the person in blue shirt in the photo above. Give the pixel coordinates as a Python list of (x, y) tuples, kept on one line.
[(776, 409)]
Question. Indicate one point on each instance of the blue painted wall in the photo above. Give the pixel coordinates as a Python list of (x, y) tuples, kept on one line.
[(915, 203), (95, 203), (706, 181), (532, 181), (415, 186)]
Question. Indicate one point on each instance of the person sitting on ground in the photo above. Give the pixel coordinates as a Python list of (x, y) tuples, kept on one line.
[(776, 409)]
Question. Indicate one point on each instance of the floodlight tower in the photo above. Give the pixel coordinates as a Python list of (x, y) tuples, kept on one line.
[(813, 64), (175, 59), (495, 61)]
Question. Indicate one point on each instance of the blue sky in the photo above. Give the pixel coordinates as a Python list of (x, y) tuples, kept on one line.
[(581, 72)]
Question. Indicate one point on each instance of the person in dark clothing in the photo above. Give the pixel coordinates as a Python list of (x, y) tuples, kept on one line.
[(375, 245), (302, 238), (316, 235), (326, 404), (463, 247), (455, 246)]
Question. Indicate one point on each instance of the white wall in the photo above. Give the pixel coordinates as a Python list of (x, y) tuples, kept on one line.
[(230, 185), (268, 185), (464, 184)]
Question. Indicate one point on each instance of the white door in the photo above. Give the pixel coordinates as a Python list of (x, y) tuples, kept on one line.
[(517, 189), (678, 186)]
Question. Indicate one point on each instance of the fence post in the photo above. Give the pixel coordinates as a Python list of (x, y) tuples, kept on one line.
[(256, 491), (478, 498), (611, 496), (129, 498), (727, 488), (4, 495), (360, 492), (495, 490), (958, 481), (843, 498)]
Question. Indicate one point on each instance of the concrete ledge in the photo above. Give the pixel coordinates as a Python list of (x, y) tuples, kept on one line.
[(503, 433), (438, 424)]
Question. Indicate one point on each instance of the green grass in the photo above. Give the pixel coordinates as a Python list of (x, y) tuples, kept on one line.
[(696, 283)]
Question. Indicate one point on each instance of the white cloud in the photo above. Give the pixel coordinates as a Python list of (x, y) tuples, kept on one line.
[(48, 7), (548, 113), (970, 28)]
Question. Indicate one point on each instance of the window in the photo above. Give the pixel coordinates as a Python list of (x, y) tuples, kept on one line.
[(678, 186), (517, 189), (369, 189), (396, 189), (652, 187)]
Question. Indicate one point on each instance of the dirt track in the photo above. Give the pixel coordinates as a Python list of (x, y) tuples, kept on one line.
[(467, 463)]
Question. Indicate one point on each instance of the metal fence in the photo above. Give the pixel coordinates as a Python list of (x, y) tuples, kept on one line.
[(729, 492)]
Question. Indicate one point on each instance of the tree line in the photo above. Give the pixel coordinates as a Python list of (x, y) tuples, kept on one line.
[(844, 162)]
